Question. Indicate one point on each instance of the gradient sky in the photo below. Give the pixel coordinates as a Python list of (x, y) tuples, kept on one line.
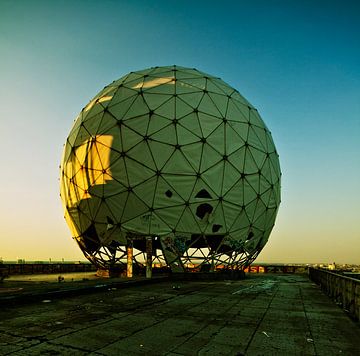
[(298, 63)]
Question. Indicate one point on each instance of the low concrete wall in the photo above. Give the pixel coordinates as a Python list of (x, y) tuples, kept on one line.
[(39, 268), (267, 268), (344, 290)]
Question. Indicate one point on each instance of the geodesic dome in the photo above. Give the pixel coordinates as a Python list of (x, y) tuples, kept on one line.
[(174, 154)]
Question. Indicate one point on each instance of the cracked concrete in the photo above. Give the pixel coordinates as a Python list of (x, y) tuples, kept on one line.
[(261, 315)]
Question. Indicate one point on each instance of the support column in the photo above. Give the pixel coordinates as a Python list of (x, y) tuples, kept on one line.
[(212, 268), (149, 244), (129, 250)]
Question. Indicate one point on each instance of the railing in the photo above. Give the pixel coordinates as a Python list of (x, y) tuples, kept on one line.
[(344, 290)]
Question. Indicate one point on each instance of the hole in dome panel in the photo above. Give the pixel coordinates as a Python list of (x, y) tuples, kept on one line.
[(216, 227), (197, 241), (203, 210), (216, 219), (90, 239), (250, 236), (203, 193), (225, 249)]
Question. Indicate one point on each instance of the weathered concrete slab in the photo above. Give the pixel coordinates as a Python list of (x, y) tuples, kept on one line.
[(262, 315)]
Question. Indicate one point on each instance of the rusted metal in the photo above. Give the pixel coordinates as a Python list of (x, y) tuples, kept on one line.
[(129, 252), (149, 244)]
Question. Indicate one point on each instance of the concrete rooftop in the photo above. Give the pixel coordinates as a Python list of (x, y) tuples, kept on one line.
[(265, 314)]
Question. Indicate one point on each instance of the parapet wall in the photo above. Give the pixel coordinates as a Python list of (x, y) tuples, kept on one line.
[(39, 268), (8, 269), (344, 290), (267, 268)]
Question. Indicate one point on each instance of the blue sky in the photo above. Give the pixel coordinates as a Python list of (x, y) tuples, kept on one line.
[(296, 62)]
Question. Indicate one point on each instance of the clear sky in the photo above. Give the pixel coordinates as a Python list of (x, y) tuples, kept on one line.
[(297, 62)]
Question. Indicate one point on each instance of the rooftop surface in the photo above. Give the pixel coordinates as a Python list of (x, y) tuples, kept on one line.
[(265, 314)]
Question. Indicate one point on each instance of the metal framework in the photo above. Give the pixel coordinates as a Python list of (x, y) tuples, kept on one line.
[(173, 156)]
